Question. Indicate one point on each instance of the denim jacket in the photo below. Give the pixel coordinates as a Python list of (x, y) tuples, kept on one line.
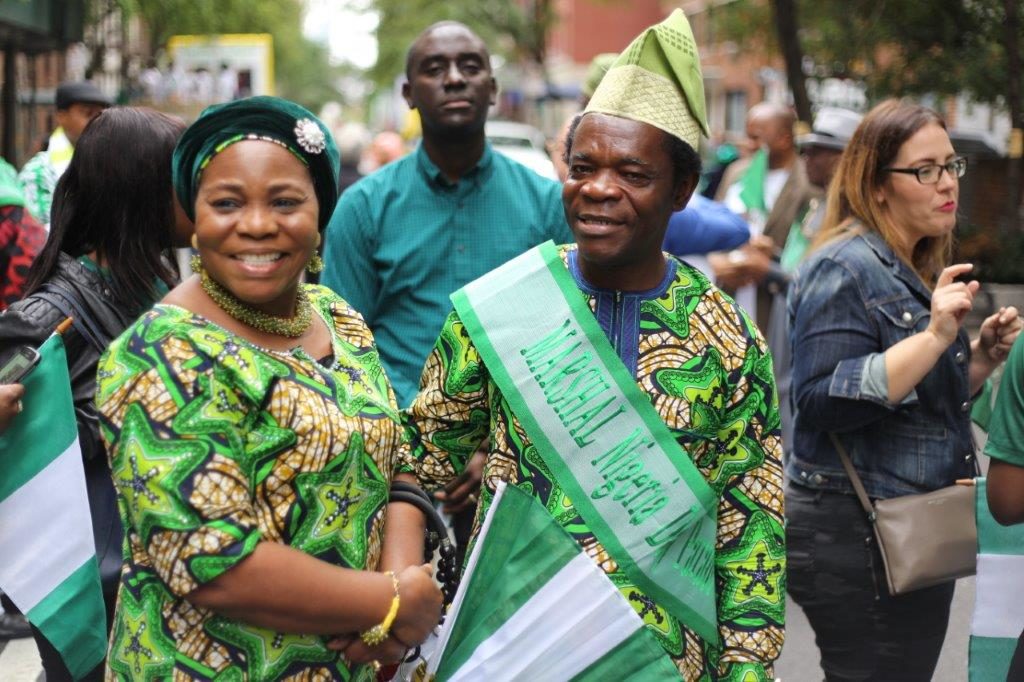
[(848, 303)]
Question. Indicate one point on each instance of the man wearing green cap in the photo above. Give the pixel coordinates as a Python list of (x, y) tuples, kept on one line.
[(628, 395)]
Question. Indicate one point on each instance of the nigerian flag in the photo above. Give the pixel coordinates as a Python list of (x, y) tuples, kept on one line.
[(533, 606), (998, 607), (49, 567)]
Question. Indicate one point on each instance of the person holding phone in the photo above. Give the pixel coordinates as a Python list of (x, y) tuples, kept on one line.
[(10, 403), (105, 263), (882, 360)]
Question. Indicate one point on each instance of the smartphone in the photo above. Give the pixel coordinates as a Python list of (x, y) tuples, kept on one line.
[(18, 367)]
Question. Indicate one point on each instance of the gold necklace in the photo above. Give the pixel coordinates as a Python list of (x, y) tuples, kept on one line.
[(292, 327)]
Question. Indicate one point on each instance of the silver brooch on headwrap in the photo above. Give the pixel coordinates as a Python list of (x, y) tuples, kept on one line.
[(309, 136)]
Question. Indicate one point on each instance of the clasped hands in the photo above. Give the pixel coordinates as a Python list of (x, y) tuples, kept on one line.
[(746, 265), (418, 612)]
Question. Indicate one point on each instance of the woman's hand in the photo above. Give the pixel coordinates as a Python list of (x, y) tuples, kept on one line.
[(421, 604), (419, 611), (998, 332), (951, 301), (10, 403)]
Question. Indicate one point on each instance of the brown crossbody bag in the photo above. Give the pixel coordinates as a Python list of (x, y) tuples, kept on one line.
[(925, 539)]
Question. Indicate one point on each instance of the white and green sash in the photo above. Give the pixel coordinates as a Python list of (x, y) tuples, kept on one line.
[(596, 431)]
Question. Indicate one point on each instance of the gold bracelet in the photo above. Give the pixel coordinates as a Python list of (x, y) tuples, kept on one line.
[(378, 633)]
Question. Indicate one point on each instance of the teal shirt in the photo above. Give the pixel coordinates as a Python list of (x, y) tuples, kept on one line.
[(404, 238)]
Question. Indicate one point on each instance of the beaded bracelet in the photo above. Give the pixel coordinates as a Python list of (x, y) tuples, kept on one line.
[(378, 633)]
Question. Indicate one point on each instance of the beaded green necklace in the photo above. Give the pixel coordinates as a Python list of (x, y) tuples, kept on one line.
[(292, 327)]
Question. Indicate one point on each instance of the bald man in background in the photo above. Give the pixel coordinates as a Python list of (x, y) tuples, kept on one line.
[(770, 190)]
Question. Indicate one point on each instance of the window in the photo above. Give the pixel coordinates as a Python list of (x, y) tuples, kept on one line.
[(735, 111)]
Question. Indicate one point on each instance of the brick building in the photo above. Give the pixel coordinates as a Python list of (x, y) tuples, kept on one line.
[(33, 37)]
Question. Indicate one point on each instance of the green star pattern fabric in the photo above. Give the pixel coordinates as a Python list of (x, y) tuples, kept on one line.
[(215, 445), (708, 373)]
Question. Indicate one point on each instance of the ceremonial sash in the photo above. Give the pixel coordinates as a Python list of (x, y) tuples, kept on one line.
[(597, 432)]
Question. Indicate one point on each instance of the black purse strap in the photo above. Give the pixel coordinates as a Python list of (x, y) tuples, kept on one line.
[(436, 536), (65, 301), (858, 486)]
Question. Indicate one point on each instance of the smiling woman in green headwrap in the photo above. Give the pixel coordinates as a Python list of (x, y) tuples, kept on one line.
[(253, 435)]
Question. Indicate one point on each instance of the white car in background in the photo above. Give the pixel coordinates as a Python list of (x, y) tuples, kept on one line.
[(523, 143)]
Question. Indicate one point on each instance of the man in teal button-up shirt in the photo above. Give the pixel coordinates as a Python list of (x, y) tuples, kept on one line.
[(403, 239)]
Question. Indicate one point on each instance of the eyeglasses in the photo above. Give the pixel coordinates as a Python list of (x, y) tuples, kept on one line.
[(930, 174)]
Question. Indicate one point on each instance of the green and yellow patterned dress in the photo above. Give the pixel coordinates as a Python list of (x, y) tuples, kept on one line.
[(216, 445), (708, 373)]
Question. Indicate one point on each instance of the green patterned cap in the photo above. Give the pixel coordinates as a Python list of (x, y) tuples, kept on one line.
[(599, 66), (657, 81)]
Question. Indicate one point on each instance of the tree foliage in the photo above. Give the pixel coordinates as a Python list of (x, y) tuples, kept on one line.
[(303, 72), (515, 30), (895, 47)]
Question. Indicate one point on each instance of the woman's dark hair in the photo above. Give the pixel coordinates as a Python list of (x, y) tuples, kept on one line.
[(116, 198), (685, 159)]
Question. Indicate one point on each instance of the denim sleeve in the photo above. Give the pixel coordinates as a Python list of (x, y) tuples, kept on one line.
[(833, 339), (875, 382)]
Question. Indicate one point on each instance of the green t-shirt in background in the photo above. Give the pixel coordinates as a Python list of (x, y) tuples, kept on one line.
[(1006, 430), (404, 238)]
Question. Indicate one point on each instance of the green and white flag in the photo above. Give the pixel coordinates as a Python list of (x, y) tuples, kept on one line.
[(49, 567), (533, 606), (998, 606)]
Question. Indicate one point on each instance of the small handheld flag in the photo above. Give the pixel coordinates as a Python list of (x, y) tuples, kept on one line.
[(49, 567)]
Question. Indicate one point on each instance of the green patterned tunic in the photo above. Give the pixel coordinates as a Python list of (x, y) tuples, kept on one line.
[(708, 373), (216, 445)]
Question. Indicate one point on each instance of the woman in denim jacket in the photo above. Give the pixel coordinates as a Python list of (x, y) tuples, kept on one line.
[(881, 360)]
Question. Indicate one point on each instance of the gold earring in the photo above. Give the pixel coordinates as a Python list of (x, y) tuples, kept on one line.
[(195, 262), (315, 265)]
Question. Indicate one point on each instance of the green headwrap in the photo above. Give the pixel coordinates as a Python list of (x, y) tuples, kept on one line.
[(263, 118), (657, 80)]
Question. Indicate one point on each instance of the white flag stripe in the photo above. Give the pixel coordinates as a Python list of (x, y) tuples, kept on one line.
[(44, 533), (579, 598), (998, 608), (460, 593)]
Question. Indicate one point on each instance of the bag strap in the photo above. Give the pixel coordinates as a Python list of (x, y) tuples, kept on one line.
[(436, 539), (858, 486), (64, 300)]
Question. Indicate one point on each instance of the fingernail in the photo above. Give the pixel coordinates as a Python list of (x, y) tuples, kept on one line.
[(18, 407)]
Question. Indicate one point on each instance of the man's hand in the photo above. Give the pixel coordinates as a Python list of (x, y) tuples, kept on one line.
[(746, 265), (461, 494), (10, 403)]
